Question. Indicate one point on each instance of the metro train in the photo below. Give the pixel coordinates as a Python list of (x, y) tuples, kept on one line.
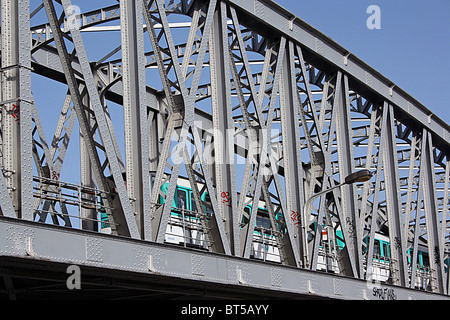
[(185, 228)]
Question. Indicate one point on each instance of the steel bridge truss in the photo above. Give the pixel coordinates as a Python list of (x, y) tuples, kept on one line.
[(243, 102)]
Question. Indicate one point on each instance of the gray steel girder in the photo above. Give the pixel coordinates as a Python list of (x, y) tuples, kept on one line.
[(261, 112), (41, 243)]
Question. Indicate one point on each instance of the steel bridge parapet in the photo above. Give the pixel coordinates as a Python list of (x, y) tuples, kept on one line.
[(240, 124)]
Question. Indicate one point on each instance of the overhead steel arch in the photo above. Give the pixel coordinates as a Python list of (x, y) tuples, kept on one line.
[(244, 105)]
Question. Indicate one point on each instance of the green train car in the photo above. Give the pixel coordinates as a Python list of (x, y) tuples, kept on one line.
[(185, 228)]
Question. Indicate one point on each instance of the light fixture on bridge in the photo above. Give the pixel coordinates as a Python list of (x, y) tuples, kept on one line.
[(358, 176)]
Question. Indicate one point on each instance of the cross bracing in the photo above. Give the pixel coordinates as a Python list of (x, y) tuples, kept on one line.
[(243, 106)]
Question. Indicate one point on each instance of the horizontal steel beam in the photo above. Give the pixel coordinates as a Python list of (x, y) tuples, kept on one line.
[(41, 242)]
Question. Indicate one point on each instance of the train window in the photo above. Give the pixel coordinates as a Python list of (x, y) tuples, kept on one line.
[(425, 259), (193, 205), (263, 222), (209, 212), (181, 199), (376, 248), (386, 252), (164, 189)]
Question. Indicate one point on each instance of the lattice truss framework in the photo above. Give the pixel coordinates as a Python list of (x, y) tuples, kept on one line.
[(244, 113)]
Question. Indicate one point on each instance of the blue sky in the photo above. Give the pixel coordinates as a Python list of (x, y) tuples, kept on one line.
[(412, 48)]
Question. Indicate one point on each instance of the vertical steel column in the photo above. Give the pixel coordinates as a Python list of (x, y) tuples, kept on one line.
[(344, 135), (10, 101), (223, 126), (445, 224), (26, 101), (292, 161), (369, 208), (16, 105), (393, 198), (431, 216), (251, 165), (135, 113)]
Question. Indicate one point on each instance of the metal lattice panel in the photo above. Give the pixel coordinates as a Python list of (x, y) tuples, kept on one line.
[(235, 117)]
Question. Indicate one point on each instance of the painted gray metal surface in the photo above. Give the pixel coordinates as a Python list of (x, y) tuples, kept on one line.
[(43, 242), (255, 109)]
